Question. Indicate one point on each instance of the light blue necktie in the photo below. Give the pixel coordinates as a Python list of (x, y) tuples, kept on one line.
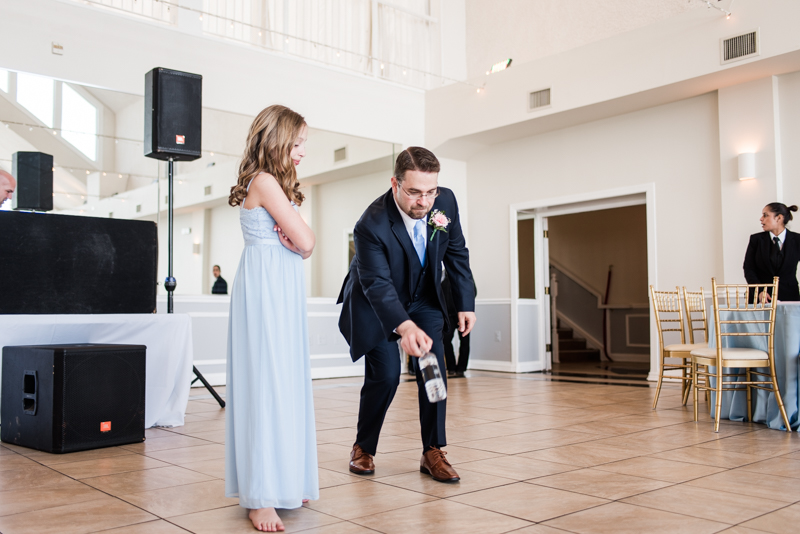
[(419, 240)]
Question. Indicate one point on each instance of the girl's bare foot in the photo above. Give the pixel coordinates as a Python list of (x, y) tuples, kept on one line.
[(266, 520), (305, 501)]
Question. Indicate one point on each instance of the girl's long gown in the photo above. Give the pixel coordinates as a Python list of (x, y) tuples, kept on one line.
[(270, 440)]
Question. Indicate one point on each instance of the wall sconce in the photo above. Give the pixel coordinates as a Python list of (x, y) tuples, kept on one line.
[(747, 166), (196, 248)]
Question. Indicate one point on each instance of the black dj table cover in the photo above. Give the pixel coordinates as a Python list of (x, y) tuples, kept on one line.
[(65, 264)]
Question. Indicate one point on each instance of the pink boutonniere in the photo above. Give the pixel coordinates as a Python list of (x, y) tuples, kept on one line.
[(439, 221)]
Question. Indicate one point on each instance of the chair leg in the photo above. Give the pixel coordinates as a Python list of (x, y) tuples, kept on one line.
[(694, 387), (749, 396), (660, 379), (718, 403), (780, 402), (688, 380)]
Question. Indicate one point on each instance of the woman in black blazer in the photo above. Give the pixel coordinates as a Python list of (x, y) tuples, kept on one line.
[(774, 252)]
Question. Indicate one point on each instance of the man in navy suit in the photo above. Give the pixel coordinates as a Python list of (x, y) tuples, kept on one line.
[(393, 291)]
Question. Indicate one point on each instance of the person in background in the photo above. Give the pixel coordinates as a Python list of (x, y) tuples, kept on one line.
[(220, 286), (7, 186), (454, 370), (774, 252)]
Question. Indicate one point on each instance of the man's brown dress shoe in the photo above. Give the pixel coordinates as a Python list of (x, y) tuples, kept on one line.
[(360, 461), (434, 463)]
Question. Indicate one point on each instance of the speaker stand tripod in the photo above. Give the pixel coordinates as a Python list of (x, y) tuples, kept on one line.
[(170, 283)]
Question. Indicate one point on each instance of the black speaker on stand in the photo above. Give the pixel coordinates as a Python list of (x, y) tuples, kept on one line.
[(34, 174), (173, 102)]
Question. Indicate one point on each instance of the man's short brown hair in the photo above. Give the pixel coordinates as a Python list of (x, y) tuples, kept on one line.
[(415, 158)]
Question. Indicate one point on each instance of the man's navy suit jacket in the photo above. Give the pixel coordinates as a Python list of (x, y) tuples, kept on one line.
[(378, 291)]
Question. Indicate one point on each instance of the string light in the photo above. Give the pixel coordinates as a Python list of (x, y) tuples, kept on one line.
[(714, 6)]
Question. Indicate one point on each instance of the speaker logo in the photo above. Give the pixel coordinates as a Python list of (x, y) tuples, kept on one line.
[(180, 139), (105, 426)]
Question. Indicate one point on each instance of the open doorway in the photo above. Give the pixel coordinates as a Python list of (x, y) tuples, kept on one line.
[(563, 303), (598, 272)]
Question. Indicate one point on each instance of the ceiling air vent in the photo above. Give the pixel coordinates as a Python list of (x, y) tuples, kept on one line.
[(340, 154), (539, 99), (739, 47)]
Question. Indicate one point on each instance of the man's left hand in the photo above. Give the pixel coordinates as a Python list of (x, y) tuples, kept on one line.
[(466, 320)]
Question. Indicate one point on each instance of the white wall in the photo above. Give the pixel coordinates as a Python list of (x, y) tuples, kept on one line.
[(674, 146), (525, 30)]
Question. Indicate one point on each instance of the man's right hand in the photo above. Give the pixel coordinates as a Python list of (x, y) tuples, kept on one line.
[(415, 342)]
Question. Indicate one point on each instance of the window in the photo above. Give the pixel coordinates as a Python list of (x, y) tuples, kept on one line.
[(35, 93), (78, 122), (4, 80)]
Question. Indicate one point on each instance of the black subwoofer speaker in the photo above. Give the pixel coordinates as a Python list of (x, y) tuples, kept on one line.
[(173, 103), (65, 398), (53, 264), (34, 174)]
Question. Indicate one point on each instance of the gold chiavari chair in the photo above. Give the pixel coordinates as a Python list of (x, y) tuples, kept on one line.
[(738, 304), (694, 304), (669, 318)]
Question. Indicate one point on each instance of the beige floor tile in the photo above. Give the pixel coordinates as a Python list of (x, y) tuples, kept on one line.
[(660, 469), (146, 480), (45, 458), (601, 484), (365, 498), (336, 436), (422, 483), (331, 452), (64, 492), (780, 489), (175, 441), (786, 520), (90, 516), (519, 443), (705, 503), (342, 527), (213, 468), (186, 455), (387, 444), (181, 500), (15, 461), (214, 436), (781, 466), (441, 517), (515, 467), (108, 466), (329, 479), (620, 518), (234, 520), (582, 455), (528, 501), (742, 530), (200, 426), (29, 477), (200, 407), (539, 529), (150, 527), (698, 455)]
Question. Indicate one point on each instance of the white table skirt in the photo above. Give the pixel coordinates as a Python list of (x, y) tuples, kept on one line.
[(168, 339)]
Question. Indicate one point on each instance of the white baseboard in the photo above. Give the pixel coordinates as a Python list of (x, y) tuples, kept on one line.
[(337, 372), (489, 365), (215, 379), (529, 367)]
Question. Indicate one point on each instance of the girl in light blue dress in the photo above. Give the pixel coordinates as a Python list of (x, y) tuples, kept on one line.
[(270, 439)]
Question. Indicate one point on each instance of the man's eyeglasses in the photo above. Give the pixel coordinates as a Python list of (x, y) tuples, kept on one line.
[(433, 193)]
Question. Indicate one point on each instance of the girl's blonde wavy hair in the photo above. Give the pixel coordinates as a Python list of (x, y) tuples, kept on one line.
[(269, 146)]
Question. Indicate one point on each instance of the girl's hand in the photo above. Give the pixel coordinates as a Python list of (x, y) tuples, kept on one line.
[(286, 242)]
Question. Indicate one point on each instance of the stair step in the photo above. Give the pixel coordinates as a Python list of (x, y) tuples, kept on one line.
[(564, 333), (575, 343), (584, 355)]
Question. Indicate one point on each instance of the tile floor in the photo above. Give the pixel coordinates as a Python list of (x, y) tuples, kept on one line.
[(536, 456)]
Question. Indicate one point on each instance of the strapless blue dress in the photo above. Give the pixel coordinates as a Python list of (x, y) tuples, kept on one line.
[(270, 437)]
